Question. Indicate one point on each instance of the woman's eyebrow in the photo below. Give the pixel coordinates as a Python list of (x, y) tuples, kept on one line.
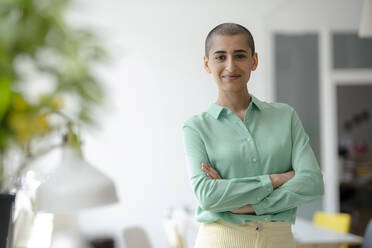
[(235, 51), (219, 51), (240, 51)]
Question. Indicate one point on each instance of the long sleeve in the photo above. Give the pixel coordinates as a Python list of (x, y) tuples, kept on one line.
[(222, 194), (305, 186)]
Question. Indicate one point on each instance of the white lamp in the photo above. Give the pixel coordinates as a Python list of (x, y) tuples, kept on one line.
[(74, 185), (365, 29)]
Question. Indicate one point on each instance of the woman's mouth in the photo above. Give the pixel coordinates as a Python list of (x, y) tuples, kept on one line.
[(231, 77)]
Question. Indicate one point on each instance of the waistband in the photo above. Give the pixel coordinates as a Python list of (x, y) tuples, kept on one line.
[(272, 226)]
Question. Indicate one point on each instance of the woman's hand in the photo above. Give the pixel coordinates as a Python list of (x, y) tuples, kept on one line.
[(210, 171), (247, 209), (280, 179)]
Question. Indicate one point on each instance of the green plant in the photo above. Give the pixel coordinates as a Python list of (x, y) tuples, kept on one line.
[(39, 50)]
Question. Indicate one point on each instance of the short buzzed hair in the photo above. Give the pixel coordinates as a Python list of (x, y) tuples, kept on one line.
[(228, 29)]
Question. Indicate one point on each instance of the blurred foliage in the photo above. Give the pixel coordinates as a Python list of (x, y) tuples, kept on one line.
[(36, 31)]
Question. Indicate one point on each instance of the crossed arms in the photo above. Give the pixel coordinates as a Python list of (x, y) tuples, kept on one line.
[(276, 181), (264, 194)]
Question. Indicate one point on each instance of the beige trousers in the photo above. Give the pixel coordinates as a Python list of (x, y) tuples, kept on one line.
[(255, 234)]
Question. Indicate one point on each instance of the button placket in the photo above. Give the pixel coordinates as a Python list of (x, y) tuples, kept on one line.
[(254, 158), (244, 131), (252, 147)]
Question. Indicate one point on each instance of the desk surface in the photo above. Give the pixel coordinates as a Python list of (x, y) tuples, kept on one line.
[(305, 232)]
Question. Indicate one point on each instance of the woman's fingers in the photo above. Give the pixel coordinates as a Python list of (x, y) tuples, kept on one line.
[(210, 171), (207, 171), (289, 175), (247, 209), (215, 173)]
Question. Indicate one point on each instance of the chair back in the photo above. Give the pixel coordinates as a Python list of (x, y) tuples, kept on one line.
[(338, 222), (367, 243)]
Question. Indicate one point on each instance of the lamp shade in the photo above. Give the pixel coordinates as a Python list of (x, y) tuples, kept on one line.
[(74, 185), (365, 29)]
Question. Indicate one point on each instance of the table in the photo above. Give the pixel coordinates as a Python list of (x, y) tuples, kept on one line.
[(308, 235)]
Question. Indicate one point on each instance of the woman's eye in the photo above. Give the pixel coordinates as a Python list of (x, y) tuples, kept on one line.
[(219, 58), (241, 56)]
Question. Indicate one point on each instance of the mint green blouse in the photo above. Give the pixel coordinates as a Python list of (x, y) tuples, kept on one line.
[(270, 140)]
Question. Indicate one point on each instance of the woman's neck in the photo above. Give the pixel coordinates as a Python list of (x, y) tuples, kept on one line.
[(235, 101)]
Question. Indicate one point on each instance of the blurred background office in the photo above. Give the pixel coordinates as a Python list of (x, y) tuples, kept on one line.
[(311, 56)]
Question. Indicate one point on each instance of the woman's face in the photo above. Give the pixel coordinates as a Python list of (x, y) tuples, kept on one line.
[(230, 62)]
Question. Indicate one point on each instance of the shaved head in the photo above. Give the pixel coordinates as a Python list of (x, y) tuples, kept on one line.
[(228, 29)]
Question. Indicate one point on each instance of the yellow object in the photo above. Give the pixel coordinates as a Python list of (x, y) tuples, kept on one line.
[(338, 222)]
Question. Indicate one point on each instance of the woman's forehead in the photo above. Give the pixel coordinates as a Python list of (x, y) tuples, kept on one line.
[(229, 43)]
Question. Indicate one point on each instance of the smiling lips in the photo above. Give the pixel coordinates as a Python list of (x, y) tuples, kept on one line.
[(231, 77)]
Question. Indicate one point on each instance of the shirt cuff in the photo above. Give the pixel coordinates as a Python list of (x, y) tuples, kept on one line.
[(267, 189), (266, 185), (258, 208)]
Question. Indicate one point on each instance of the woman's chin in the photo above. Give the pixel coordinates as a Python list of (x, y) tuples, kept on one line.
[(234, 88)]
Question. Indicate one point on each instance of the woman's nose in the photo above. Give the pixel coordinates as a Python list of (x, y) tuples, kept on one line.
[(230, 65)]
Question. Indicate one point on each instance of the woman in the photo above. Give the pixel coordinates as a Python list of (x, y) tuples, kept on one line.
[(250, 162)]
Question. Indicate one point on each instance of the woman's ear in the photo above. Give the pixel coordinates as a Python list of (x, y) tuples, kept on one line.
[(206, 66), (255, 61)]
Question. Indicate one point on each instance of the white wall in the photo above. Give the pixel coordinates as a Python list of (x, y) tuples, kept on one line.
[(156, 81)]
